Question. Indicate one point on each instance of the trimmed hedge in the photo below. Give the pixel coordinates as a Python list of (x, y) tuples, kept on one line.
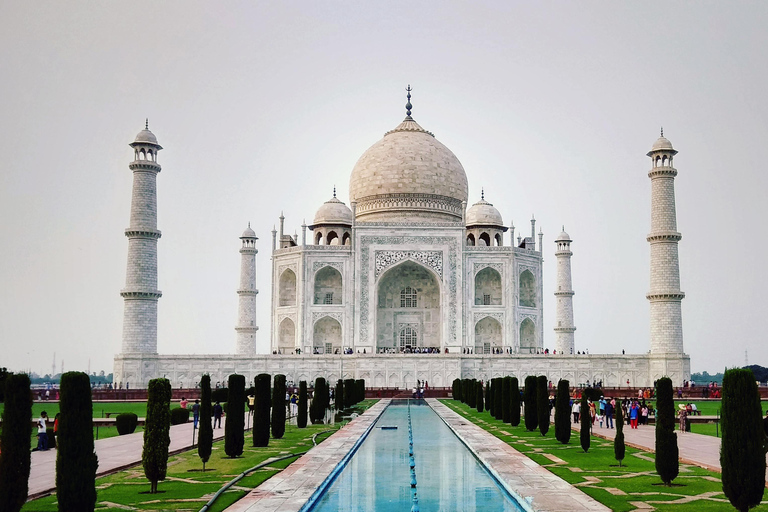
[(234, 435), (261, 410), (220, 395), (479, 398), (542, 403), (320, 401), (586, 422), (505, 400), (205, 429), (457, 389), (349, 393), (301, 419), (179, 416), (338, 395), (515, 407), (278, 407), (667, 453), (15, 461), (619, 449), (529, 403), (563, 412), (126, 423)]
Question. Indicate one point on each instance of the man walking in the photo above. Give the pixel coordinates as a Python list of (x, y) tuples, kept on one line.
[(217, 412), (196, 413), (42, 432), (609, 407)]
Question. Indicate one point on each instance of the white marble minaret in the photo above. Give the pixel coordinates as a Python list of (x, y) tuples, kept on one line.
[(140, 292), (564, 329), (246, 310), (665, 295)]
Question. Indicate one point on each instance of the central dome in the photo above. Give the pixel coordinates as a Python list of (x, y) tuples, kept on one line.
[(408, 176)]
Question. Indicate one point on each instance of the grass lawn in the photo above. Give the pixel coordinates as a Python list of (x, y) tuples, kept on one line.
[(598, 475), (99, 408), (186, 487)]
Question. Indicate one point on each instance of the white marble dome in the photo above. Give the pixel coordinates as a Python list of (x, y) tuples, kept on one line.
[(333, 211), (408, 176), (248, 233), (483, 213), (563, 236), (662, 144), (145, 137)]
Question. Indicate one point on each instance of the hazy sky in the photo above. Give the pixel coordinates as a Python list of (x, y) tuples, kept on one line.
[(264, 106)]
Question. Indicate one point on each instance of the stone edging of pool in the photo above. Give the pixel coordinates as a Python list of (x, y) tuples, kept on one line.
[(519, 473), (293, 487)]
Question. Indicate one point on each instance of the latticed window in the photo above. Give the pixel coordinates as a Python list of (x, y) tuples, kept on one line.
[(328, 298), (408, 298), (486, 300), (408, 337)]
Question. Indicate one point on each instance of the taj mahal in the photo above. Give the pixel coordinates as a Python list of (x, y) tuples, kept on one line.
[(409, 281)]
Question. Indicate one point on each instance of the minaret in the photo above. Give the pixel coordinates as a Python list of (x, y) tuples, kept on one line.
[(246, 310), (564, 296), (140, 292), (665, 295)]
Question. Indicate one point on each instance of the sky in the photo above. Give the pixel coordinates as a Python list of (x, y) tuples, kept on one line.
[(263, 107)]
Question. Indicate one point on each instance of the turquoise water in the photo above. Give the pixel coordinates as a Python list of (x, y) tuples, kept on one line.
[(449, 477)]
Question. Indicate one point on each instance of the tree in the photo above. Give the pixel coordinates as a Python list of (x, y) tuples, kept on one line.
[(76, 461), (205, 428), (301, 419), (14, 440), (349, 393), (515, 407), (472, 398), (234, 435), (3, 375), (506, 399), (457, 389), (489, 396), (542, 404), (529, 403), (563, 412), (586, 421), (359, 390), (742, 452), (278, 407), (319, 404), (499, 397), (338, 395), (618, 442), (261, 411), (479, 399), (157, 426), (667, 455)]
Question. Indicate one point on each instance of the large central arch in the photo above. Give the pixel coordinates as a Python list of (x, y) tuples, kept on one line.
[(408, 308)]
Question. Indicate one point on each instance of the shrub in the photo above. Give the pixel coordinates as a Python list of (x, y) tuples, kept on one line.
[(586, 422), (319, 401), (742, 452), (205, 433), (126, 423), (542, 403), (472, 398), (157, 426), (261, 411), (349, 393), (76, 461), (466, 390), (234, 435), (563, 412), (220, 395), (15, 460), (529, 403), (339, 395), (488, 396), (667, 455), (301, 419), (179, 416), (360, 390), (618, 442), (479, 399), (457, 389), (498, 397), (506, 399), (278, 407), (515, 407)]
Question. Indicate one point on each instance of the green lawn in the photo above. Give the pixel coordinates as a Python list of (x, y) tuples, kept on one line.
[(597, 474), (186, 487), (99, 408)]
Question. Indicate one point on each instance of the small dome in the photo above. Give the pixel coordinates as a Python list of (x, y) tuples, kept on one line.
[(333, 211), (483, 213), (248, 233), (563, 237), (662, 144), (145, 137)]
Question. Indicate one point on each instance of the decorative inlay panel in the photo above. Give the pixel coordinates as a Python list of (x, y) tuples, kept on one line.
[(283, 316), (479, 316), (498, 267), (432, 259), (335, 264), (291, 266), (317, 315)]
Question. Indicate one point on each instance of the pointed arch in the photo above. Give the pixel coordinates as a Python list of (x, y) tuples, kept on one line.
[(326, 336), (332, 238), (488, 287), (527, 289), (319, 238), (485, 238), (328, 286), (498, 240), (527, 336), (286, 341), (346, 239), (471, 240), (487, 335), (287, 288)]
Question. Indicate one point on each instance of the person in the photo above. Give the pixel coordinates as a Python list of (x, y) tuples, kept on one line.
[(609, 413), (56, 424), (576, 409), (644, 414), (252, 402), (217, 412), (183, 403), (592, 411), (42, 432), (601, 411), (695, 410), (633, 413), (294, 404), (195, 413), (683, 415)]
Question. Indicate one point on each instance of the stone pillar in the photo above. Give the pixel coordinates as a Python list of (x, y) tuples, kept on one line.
[(140, 292), (564, 328), (665, 295), (246, 311)]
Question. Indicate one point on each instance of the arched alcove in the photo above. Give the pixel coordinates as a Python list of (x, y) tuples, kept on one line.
[(488, 287), (527, 336), (326, 336), (286, 336), (332, 238), (346, 239), (471, 240), (287, 288), (498, 240), (527, 289), (328, 286), (487, 335), (484, 240), (319, 238)]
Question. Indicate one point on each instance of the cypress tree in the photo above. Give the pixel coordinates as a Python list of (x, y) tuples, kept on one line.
[(204, 427), (339, 395), (479, 399), (278, 407), (349, 393), (542, 404), (466, 390), (489, 396), (359, 390), (76, 461), (301, 419), (667, 455), (457, 389), (529, 403), (586, 422), (261, 410), (15, 459), (499, 396), (317, 407), (618, 442), (506, 399), (742, 452), (472, 398), (234, 434), (563, 412), (157, 428), (515, 407)]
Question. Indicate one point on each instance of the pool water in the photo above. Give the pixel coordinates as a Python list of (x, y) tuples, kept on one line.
[(449, 477)]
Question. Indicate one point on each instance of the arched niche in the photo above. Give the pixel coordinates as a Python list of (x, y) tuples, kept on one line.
[(487, 335), (471, 240), (319, 238), (286, 336), (527, 289), (326, 336), (346, 239), (332, 238), (498, 240), (408, 295), (527, 336), (328, 286), (488, 287), (484, 240), (287, 288)]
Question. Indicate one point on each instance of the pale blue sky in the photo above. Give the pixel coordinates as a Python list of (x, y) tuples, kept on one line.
[(263, 107)]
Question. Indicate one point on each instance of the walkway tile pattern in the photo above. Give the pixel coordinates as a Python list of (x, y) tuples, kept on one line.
[(517, 471)]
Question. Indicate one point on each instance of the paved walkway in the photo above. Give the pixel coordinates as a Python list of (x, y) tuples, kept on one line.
[(114, 453)]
